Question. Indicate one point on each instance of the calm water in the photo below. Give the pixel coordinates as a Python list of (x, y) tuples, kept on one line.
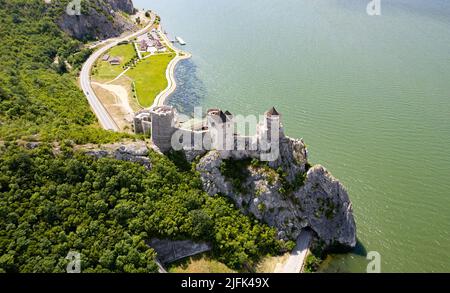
[(370, 96)]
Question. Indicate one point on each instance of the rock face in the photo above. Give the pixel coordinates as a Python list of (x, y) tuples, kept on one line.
[(319, 201), (172, 250), (136, 152), (124, 5), (99, 19)]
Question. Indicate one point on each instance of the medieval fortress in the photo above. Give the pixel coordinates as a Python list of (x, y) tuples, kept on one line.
[(218, 131)]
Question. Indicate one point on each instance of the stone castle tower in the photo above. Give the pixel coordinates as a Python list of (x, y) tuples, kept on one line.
[(163, 119), (271, 119), (221, 129), (218, 133)]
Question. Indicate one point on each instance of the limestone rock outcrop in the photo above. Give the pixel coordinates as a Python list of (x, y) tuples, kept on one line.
[(99, 19), (136, 152), (319, 201), (123, 5)]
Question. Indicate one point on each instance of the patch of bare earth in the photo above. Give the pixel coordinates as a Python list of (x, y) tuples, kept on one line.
[(126, 82), (272, 264), (199, 264), (115, 99)]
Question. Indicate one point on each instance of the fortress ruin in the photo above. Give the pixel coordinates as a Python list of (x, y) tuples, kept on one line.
[(218, 131)]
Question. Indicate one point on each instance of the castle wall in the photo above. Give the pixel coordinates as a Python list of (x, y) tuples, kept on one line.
[(190, 139), (220, 134), (142, 124)]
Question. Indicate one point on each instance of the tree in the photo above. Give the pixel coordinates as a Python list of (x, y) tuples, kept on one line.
[(202, 224), (107, 209)]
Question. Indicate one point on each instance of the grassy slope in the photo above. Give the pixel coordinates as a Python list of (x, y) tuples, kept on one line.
[(269, 263), (203, 263), (199, 264), (104, 71), (149, 76)]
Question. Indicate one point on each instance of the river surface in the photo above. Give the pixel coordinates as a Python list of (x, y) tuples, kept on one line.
[(370, 95)]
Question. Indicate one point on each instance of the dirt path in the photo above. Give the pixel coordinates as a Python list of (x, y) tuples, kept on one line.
[(119, 76), (121, 95)]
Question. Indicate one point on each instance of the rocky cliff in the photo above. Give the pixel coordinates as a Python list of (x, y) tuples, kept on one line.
[(136, 152), (99, 19), (123, 5), (287, 194)]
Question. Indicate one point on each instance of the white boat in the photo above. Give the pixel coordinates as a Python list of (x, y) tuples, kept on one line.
[(180, 41)]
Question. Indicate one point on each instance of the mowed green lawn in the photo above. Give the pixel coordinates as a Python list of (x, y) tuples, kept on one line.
[(149, 76), (104, 71)]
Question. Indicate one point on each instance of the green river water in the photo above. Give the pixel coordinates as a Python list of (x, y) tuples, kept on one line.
[(370, 95)]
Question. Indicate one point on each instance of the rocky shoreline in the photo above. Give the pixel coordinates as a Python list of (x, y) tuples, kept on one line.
[(319, 202)]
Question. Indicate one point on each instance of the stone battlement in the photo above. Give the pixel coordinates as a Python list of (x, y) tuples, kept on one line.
[(216, 132)]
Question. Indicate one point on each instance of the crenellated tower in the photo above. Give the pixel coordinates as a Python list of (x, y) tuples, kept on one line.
[(163, 126), (221, 129), (270, 125)]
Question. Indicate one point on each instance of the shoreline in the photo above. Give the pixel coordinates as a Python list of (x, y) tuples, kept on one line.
[(161, 98), (100, 110), (103, 116)]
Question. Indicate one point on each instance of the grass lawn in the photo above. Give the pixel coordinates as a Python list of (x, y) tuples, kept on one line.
[(199, 264), (103, 71), (149, 76), (145, 54), (269, 263)]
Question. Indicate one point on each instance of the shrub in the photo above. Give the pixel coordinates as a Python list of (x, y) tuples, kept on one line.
[(312, 263), (236, 171)]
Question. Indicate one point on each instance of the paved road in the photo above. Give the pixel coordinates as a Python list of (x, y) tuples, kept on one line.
[(295, 262), (99, 109), (161, 268)]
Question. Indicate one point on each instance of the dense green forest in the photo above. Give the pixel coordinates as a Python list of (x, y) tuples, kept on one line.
[(106, 210), (53, 202), (39, 98)]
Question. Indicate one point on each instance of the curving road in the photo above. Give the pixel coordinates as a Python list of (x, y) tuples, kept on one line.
[(298, 256), (100, 111)]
